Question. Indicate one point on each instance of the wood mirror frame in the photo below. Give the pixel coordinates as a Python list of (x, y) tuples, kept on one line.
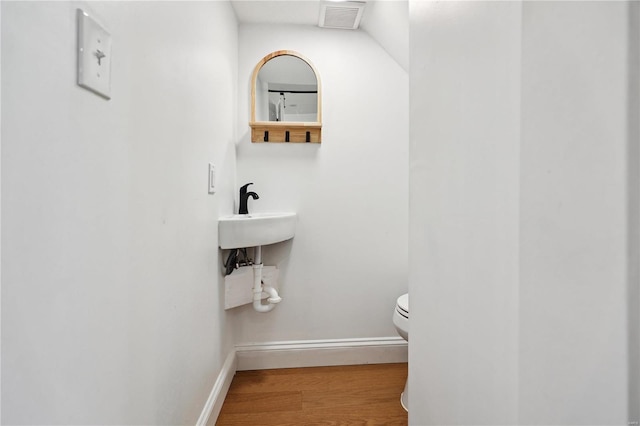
[(284, 131)]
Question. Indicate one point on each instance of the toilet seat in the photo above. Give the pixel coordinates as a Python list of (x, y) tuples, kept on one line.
[(401, 316), (401, 322), (402, 305)]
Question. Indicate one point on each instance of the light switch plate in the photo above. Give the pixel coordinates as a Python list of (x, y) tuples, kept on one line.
[(212, 178), (94, 56)]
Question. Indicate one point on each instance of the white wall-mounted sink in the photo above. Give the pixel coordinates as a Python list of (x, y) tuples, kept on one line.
[(256, 229)]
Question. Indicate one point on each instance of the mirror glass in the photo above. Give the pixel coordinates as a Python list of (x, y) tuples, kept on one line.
[(286, 90)]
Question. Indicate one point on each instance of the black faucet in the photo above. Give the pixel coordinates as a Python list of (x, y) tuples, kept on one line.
[(244, 196)]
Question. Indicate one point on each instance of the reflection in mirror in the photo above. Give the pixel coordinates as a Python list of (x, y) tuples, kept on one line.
[(286, 90)]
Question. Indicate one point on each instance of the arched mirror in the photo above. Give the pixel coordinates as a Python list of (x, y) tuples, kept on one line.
[(285, 99)]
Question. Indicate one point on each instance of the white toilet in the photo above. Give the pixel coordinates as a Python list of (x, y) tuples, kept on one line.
[(401, 321)]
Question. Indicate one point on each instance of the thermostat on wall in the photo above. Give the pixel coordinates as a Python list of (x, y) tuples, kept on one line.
[(94, 56)]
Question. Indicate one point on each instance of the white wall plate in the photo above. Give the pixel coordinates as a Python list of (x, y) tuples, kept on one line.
[(212, 178), (239, 285), (94, 56)]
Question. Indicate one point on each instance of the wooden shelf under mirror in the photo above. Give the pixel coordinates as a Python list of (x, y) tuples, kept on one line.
[(286, 132), (286, 101)]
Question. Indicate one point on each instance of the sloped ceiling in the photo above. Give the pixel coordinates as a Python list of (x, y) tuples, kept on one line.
[(386, 21)]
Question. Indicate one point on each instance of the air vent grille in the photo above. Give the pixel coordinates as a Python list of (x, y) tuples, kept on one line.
[(342, 15)]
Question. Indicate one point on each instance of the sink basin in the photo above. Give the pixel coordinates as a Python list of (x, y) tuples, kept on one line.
[(256, 229)]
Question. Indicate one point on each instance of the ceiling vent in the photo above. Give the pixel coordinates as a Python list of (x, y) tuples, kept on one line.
[(345, 15)]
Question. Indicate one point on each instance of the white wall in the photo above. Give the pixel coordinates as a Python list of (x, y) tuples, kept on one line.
[(111, 295), (387, 21), (573, 222), (464, 192), (347, 264), (519, 193), (0, 219), (633, 214)]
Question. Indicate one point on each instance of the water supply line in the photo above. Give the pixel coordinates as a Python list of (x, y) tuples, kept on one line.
[(259, 287)]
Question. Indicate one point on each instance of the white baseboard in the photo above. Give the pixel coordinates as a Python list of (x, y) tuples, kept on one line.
[(220, 388), (316, 353)]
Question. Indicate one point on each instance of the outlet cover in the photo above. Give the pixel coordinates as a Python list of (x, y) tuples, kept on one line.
[(94, 56)]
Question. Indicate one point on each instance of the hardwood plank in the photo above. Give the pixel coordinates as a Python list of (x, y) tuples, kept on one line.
[(262, 419), (320, 378), (381, 414), (264, 402), (305, 419), (360, 397)]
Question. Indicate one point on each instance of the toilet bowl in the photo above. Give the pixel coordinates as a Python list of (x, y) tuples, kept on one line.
[(401, 321)]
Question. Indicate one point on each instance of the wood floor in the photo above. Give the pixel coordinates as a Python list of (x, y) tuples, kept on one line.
[(343, 395)]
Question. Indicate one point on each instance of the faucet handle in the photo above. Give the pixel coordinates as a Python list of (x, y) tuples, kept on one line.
[(244, 187)]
